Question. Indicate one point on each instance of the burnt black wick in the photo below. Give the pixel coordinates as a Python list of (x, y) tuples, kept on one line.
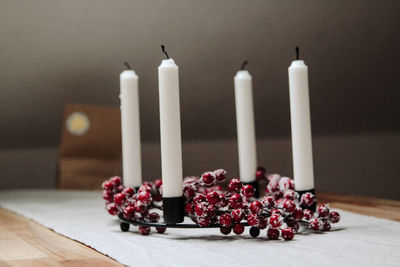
[(165, 52), (127, 65), (243, 65), (297, 53)]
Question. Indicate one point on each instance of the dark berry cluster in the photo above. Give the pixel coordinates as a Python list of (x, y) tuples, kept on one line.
[(280, 212), (134, 205)]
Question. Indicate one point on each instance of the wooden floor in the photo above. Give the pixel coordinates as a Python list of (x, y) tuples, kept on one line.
[(26, 243)]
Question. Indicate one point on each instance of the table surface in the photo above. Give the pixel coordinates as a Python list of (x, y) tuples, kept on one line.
[(26, 243)]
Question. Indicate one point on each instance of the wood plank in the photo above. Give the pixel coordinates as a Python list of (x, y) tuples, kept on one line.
[(23, 242)]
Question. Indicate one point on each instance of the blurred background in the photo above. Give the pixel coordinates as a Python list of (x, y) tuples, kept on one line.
[(58, 52)]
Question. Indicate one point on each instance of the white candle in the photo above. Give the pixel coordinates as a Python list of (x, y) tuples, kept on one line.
[(171, 147), (301, 126), (130, 126), (170, 127), (245, 126)]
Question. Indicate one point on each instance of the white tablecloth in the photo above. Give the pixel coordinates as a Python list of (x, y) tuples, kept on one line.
[(357, 240)]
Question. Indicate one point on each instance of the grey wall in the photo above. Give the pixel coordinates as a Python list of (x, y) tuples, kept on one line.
[(53, 52)]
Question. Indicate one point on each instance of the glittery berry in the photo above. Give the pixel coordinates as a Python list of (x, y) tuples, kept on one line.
[(268, 202), (323, 211), (144, 230), (275, 221), (290, 194), (287, 233), (289, 206), (116, 181), (307, 214), (307, 199), (211, 210), (316, 224), (189, 208), (189, 191), (208, 179), (334, 217), (237, 215), (225, 220), (273, 233), (254, 231), (326, 225), (107, 185), (262, 222), (107, 195), (128, 191), (112, 208), (285, 183), (128, 212), (275, 212), (220, 175), (203, 221), (225, 230), (119, 198), (235, 201), (298, 213), (223, 201), (238, 229), (153, 217), (145, 197), (235, 185), (253, 220), (248, 191), (158, 183), (213, 197), (140, 206), (200, 209), (256, 207)]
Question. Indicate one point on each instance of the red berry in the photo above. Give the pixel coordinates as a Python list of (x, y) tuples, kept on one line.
[(128, 212), (274, 176), (153, 217), (211, 210), (285, 183), (140, 206), (307, 214), (261, 168), (116, 181), (189, 191), (260, 175), (107, 185), (323, 211), (145, 188), (248, 191), (161, 229), (107, 195), (273, 233), (289, 206), (298, 213), (112, 208), (273, 186), (203, 221), (262, 224), (119, 198), (256, 207), (144, 230), (307, 199), (213, 197), (208, 179), (223, 202), (287, 233), (316, 224), (225, 220), (235, 185), (220, 175), (290, 194), (128, 191), (334, 217), (326, 225), (292, 224), (157, 197), (235, 201), (199, 198), (225, 230), (253, 220), (200, 209), (268, 202), (238, 229), (275, 212), (237, 215), (145, 197), (158, 183), (275, 221), (189, 208)]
